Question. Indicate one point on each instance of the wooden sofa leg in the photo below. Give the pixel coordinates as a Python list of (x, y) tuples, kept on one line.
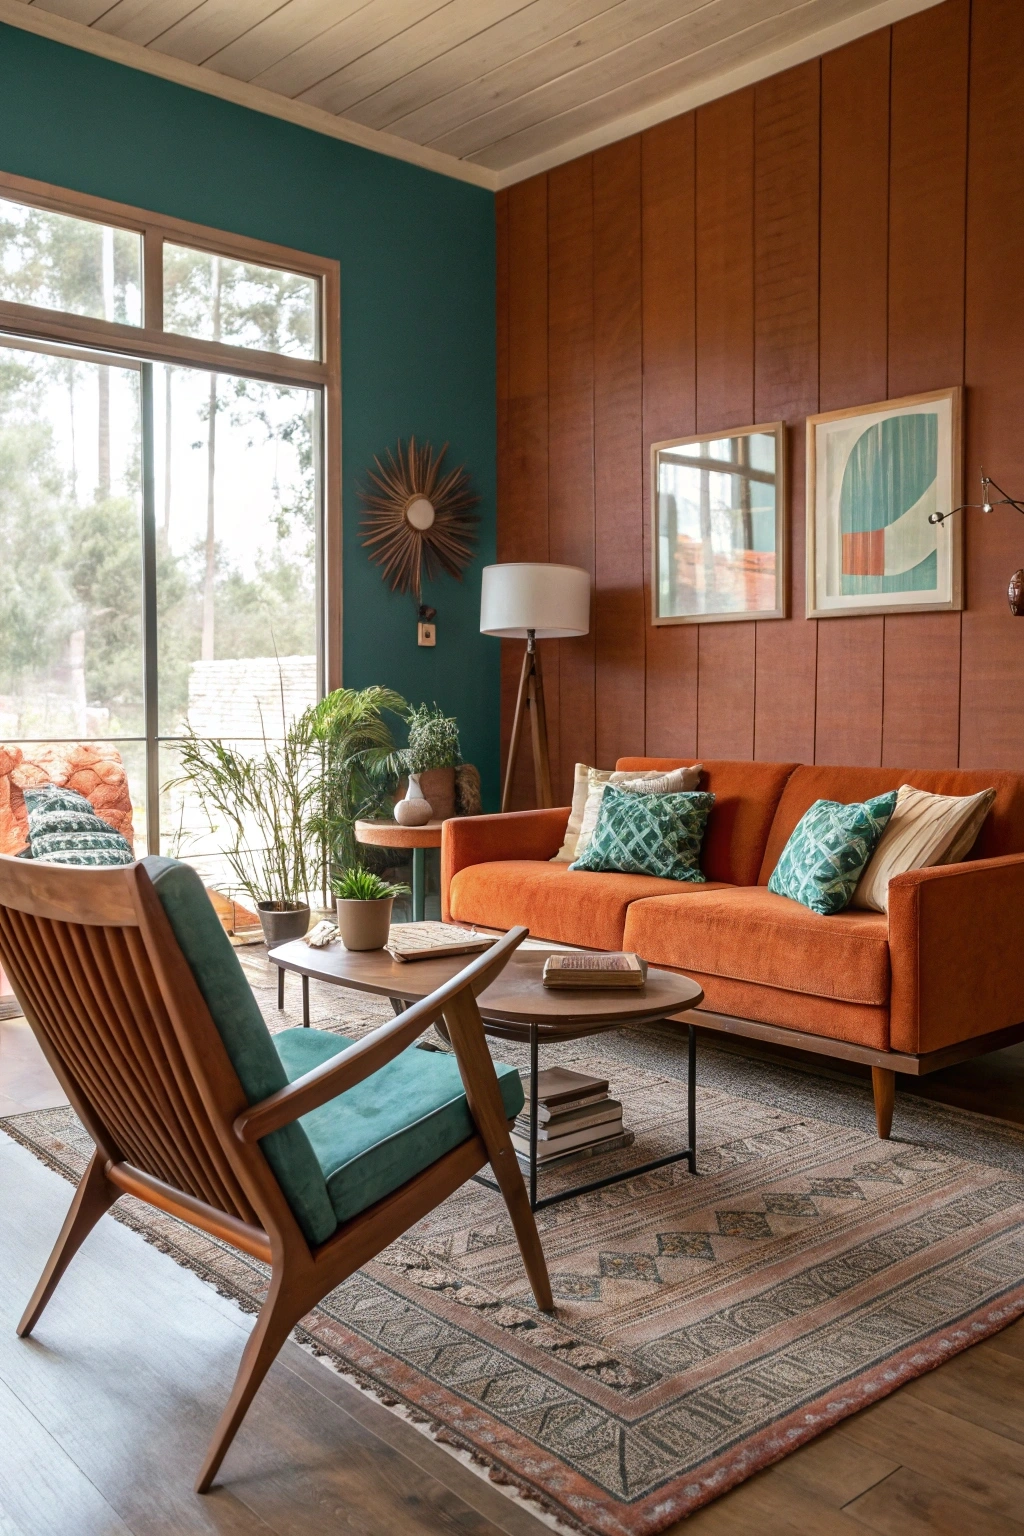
[(883, 1084)]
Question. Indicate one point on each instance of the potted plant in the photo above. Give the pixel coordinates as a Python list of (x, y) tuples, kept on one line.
[(347, 745), (364, 903), (260, 803), (433, 754)]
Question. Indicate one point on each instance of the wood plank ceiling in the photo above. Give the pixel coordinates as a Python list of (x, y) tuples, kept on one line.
[(508, 86)]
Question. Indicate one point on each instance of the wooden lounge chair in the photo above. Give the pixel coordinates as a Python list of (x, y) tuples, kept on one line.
[(139, 1004)]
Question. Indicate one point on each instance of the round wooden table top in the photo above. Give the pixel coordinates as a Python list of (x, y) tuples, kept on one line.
[(510, 1004), (388, 834)]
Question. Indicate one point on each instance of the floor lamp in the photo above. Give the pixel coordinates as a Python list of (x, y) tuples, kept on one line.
[(521, 601)]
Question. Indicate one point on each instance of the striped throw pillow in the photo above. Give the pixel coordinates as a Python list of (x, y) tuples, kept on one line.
[(924, 830)]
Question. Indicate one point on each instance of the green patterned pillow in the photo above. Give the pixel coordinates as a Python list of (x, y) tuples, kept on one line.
[(649, 835), (63, 828), (828, 850)]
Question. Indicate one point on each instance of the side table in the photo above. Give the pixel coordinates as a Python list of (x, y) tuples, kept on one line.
[(388, 834)]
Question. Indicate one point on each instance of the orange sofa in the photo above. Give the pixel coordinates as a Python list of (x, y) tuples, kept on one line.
[(938, 979)]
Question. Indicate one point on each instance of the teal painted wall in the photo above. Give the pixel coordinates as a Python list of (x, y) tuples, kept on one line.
[(417, 258)]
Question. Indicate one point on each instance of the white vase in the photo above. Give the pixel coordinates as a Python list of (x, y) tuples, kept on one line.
[(413, 811)]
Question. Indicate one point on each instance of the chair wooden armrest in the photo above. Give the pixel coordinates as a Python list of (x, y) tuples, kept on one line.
[(371, 1053)]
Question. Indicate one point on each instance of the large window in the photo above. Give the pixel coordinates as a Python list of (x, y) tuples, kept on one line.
[(169, 526)]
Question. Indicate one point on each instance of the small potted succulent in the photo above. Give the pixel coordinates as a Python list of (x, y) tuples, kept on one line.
[(364, 903)]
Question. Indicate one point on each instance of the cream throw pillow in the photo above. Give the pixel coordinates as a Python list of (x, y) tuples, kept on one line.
[(589, 783), (923, 830)]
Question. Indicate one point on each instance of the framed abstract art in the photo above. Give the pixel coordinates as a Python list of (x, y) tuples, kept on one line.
[(718, 534), (876, 474)]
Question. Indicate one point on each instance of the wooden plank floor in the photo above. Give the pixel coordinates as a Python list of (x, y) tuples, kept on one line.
[(104, 1414)]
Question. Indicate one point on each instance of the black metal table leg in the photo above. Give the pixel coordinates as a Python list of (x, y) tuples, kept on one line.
[(687, 1155), (691, 1097), (305, 1002), (533, 1117), (280, 987)]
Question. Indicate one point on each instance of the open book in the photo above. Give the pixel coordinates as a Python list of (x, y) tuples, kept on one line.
[(433, 941)]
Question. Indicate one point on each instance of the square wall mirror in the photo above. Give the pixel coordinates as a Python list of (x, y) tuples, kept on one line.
[(719, 526)]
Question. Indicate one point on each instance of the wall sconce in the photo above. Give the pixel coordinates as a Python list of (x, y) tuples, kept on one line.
[(1015, 590)]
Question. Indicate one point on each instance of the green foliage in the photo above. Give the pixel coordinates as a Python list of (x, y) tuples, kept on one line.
[(363, 885), (348, 743), (258, 805), (34, 597), (433, 742), (287, 814)]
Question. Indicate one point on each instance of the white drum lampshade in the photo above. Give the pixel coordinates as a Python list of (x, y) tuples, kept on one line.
[(528, 601), (551, 600)]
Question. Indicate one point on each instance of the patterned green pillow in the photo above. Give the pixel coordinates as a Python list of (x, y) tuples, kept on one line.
[(649, 835), (63, 828), (828, 851)]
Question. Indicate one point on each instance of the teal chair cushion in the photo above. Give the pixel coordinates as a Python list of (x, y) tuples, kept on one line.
[(393, 1124), (246, 1038)]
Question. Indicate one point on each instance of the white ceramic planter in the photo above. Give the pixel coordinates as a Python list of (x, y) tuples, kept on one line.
[(364, 924)]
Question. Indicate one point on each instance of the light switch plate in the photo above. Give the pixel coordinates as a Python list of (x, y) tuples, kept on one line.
[(426, 634)]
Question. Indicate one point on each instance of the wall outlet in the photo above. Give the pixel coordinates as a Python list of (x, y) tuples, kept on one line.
[(426, 634)]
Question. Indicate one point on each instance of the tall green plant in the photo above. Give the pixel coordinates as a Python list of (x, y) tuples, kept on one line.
[(260, 803), (348, 744)]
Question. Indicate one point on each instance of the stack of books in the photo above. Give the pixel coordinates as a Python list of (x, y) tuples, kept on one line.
[(575, 1117), (615, 971)]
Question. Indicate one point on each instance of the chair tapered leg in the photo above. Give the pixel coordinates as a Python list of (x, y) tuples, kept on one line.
[(466, 1033), (275, 1322), (94, 1195), (524, 1224)]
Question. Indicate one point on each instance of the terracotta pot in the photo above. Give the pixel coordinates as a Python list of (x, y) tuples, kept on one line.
[(364, 924), (283, 920), (438, 786)]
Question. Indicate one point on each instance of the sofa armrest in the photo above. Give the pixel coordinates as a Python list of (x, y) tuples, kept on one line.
[(484, 839), (956, 940)]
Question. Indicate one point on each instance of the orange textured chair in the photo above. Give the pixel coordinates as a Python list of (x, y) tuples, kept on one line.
[(94, 769), (935, 981)]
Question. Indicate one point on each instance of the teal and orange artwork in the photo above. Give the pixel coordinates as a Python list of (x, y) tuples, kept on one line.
[(888, 493)]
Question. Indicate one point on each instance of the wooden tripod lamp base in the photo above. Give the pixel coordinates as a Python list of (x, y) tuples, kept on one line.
[(530, 699), (531, 602)]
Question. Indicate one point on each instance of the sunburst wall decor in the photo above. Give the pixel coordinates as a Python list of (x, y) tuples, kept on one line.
[(417, 516)]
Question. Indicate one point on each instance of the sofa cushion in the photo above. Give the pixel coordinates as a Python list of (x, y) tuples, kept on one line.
[(63, 828), (648, 835), (829, 851), (376, 1136), (856, 1023), (565, 905), (749, 934), (247, 1040), (1002, 833), (746, 796)]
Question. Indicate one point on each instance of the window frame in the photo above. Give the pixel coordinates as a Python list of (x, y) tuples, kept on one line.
[(150, 342)]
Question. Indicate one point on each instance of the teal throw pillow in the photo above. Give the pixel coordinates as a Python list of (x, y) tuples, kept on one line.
[(63, 828), (828, 851), (649, 835)]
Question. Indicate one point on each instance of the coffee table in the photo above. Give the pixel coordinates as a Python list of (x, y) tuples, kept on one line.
[(516, 1006)]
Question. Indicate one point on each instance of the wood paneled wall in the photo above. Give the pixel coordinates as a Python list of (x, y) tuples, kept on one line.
[(849, 231)]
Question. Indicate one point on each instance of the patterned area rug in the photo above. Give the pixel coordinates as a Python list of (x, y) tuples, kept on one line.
[(705, 1327)]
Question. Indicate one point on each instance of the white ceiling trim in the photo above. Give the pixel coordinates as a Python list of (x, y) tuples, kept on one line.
[(31, 18), (809, 47)]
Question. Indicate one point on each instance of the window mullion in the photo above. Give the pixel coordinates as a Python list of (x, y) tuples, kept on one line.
[(153, 280), (149, 615)]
